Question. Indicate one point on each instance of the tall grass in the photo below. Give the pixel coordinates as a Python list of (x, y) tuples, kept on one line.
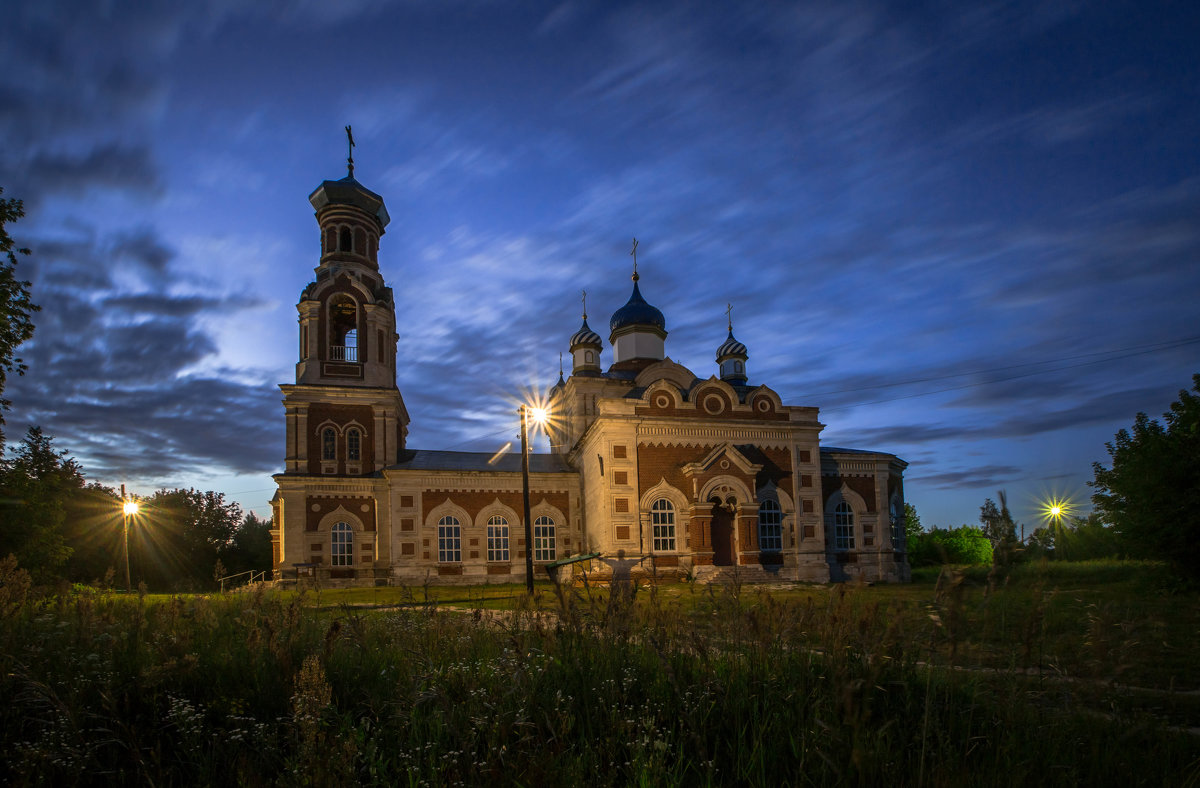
[(717, 686)]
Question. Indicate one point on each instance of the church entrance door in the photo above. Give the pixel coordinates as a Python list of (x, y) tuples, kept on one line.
[(722, 535)]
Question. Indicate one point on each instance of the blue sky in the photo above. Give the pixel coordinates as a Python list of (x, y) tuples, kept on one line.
[(968, 232)]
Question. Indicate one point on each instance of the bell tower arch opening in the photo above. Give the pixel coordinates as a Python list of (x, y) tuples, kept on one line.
[(343, 328)]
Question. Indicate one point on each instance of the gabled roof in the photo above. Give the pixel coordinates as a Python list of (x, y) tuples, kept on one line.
[(725, 449)]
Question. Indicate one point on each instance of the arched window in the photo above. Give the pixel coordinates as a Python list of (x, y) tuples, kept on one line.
[(341, 545), (353, 446), (843, 527), (449, 540), (543, 540), (589, 357), (662, 517), (328, 444), (737, 366), (330, 239), (344, 243), (898, 530), (770, 526), (497, 538)]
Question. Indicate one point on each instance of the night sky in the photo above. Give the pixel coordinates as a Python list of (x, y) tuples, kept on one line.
[(968, 232)]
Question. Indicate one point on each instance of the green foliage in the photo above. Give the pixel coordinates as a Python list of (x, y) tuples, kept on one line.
[(840, 686), (37, 483), (963, 545), (1151, 494), (16, 308), (250, 547), (177, 537), (1078, 539), (912, 524)]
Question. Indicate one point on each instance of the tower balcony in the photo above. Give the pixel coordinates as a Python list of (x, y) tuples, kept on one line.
[(343, 353)]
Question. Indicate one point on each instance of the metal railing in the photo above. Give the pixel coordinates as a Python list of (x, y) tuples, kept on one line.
[(343, 353), (256, 576)]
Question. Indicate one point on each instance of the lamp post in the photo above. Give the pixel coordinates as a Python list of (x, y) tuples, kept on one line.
[(538, 415), (129, 508)]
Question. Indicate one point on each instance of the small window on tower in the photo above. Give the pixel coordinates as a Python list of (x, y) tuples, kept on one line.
[(344, 243), (360, 241), (589, 357)]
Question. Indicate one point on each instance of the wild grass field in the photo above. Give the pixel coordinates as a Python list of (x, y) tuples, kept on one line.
[(1060, 674)]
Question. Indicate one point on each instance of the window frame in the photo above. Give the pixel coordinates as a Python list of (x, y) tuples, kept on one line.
[(770, 527), (545, 539), (843, 527), (328, 444), (354, 445), (662, 522), (498, 539), (449, 540), (341, 545)]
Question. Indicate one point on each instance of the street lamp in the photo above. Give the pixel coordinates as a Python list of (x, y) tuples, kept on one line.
[(129, 508), (539, 415)]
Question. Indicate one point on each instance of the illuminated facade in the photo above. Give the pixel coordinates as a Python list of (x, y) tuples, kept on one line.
[(687, 475)]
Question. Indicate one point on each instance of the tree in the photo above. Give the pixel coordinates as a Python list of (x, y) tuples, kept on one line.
[(179, 536), (37, 485), (912, 524), (1151, 494), (963, 545), (250, 548), (998, 525), (16, 308)]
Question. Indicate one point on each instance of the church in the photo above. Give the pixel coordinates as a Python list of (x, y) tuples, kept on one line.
[(685, 474)]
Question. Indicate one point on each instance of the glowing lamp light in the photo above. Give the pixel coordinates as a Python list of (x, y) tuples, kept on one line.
[(539, 415), (1053, 510)]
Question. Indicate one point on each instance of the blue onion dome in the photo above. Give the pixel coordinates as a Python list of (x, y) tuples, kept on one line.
[(637, 312), (585, 337), (731, 348)]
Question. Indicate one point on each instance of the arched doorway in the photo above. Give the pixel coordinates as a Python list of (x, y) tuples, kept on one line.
[(722, 530)]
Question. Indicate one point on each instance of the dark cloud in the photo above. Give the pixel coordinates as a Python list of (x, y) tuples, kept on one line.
[(111, 165), (985, 476), (144, 247)]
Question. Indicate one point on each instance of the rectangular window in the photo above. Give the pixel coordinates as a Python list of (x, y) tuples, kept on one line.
[(805, 456), (664, 528), (353, 446), (619, 452), (770, 527), (449, 544), (497, 542), (543, 540), (805, 480)]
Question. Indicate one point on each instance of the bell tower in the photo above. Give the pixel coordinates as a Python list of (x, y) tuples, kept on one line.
[(345, 415)]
